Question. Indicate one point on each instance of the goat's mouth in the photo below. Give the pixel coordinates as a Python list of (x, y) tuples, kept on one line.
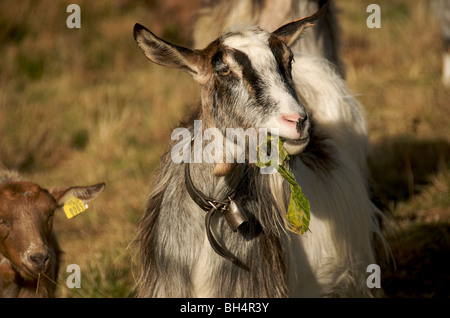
[(30, 274), (293, 130), (295, 146), (298, 141), (27, 273)]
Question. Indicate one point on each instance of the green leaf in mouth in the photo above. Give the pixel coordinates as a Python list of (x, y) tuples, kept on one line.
[(298, 213)]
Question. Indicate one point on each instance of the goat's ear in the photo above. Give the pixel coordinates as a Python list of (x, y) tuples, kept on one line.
[(289, 33), (85, 194), (167, 54)]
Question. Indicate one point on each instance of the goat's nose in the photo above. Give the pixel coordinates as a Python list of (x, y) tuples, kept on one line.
[(291, 119), (301, 123), (39, 260)]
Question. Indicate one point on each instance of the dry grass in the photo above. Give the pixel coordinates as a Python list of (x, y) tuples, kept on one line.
[(84, 106), (396, 72)]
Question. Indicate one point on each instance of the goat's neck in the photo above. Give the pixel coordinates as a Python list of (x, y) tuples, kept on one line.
[(202, 174), (215, 186)]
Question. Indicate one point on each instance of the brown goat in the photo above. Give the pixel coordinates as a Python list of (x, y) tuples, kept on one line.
[(28, 246)]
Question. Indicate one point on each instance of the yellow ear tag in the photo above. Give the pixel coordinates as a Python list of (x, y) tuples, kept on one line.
[(73, 207)]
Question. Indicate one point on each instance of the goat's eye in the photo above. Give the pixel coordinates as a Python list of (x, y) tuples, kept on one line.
[(224, 72)]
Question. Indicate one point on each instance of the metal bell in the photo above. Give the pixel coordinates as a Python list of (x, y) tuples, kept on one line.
[(235, 215)]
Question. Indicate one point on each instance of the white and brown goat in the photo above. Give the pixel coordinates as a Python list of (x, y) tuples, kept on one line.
[(250, 78), (29, 251)]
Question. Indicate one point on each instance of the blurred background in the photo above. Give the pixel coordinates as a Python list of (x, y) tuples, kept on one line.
[(81, 106)]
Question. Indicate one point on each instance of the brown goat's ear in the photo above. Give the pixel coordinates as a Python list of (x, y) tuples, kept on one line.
[(289, 33), (167, 54), (85, 194)]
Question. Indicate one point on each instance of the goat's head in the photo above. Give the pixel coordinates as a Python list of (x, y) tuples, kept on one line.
[(245, 76), (26, 219)]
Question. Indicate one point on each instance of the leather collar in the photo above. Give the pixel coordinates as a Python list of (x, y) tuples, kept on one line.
[(233, 213)]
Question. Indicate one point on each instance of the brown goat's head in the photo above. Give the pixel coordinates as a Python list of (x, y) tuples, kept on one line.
[(245, 77), (26, 218)]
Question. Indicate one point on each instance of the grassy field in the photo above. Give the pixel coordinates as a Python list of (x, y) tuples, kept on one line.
[(81, 106)]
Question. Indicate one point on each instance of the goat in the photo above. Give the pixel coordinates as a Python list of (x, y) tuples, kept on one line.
[(322, 40), (249, 79), (29, 250)]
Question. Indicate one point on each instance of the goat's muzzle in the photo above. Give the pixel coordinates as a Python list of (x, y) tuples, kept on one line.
[(39, 261), (34, 263)]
